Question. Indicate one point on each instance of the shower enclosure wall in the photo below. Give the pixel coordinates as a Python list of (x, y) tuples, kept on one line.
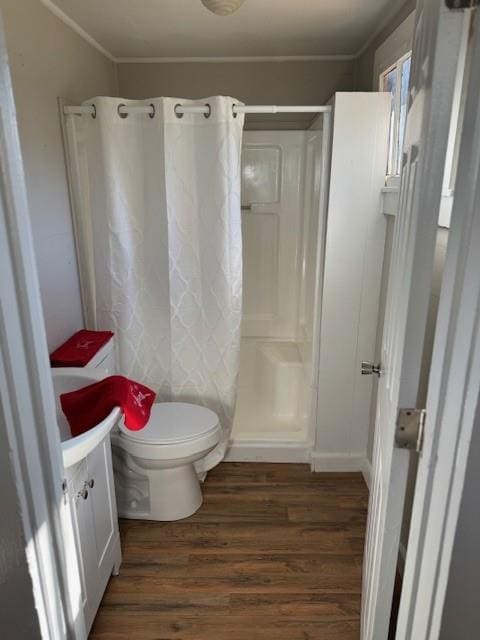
[(282, 245)]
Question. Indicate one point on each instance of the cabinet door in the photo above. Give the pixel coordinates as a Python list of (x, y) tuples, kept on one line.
[(92, 495), (103, 505), (85, 539)]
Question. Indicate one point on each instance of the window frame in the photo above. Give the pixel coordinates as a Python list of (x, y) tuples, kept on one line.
[(397, 66)]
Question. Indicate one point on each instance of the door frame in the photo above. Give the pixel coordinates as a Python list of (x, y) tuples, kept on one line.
[(27, 399)]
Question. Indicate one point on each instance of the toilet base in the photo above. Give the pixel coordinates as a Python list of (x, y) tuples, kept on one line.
[(158, 482), (172, 493)]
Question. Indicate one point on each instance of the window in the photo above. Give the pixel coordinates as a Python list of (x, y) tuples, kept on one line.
[(395, 80)]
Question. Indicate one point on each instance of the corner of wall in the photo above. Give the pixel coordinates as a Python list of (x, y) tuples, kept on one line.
[(363, 66), (116, 78)]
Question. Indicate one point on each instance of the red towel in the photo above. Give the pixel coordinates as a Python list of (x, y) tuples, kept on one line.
[(78, 350), (86, 407)]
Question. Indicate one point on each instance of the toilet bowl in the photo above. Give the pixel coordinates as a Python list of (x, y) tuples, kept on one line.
[(155, 476)]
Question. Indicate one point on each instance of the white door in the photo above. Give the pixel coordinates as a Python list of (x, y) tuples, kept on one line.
[(437, 40), (452, 403)]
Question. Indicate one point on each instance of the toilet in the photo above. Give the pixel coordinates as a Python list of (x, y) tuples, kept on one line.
[(155, 476)]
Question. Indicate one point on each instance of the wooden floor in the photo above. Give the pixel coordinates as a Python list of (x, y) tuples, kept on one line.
[(275, 552)]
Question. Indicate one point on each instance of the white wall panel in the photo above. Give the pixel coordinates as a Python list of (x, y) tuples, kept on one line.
[(260, 273), (355, 241), (272, 222), (312, 232), (261, 174)]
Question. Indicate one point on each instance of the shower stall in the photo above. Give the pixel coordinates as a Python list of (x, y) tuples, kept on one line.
[(284, 178), (311, 291)]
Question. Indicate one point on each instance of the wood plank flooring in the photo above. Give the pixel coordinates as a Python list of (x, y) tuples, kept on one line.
[(275, 552)]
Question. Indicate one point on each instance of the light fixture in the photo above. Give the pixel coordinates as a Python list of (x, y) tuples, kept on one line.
[(222, 7)]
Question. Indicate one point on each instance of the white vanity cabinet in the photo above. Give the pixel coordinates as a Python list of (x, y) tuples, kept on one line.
[(92, 494)]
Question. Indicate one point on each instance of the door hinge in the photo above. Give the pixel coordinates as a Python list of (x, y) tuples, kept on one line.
[(462, 4), (409, 431)]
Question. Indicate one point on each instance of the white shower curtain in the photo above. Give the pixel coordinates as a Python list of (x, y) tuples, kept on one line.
[(158, 229)]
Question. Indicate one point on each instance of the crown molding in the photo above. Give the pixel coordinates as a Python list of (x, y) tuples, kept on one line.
[(77, 28), (69, 22), (217, 59)]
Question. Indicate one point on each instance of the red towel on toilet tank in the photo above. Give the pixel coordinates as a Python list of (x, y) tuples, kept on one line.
[(86, 407), (78, 350)]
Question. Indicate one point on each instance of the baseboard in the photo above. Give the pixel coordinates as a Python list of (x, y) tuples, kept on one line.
[(367, 472), (258, 451), (338, 462)]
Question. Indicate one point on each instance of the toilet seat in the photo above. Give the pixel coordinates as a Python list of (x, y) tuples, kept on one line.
[(173, 423)]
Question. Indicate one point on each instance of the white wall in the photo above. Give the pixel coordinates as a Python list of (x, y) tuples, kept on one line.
[(355, 238), (302, 82), (49, 60)]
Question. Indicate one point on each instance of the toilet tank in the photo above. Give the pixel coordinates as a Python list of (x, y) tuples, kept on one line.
[(105, 358)]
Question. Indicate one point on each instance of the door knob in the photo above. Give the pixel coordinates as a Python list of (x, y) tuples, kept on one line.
[(368, 368)]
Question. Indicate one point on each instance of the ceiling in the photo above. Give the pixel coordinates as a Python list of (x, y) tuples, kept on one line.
[(260, 28)]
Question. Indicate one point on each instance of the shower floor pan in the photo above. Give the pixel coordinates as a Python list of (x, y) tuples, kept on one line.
[(272, 400)]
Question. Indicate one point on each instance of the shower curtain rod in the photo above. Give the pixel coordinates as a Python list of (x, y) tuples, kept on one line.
[(179, 109)]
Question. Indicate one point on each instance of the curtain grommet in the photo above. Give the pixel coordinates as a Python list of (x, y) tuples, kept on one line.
[(209, 112), (234, 113), (94, 114), (122, 115), (152, 114), (179, 115)]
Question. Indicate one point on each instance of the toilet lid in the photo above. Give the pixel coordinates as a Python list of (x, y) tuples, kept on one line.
[(172, 422)]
